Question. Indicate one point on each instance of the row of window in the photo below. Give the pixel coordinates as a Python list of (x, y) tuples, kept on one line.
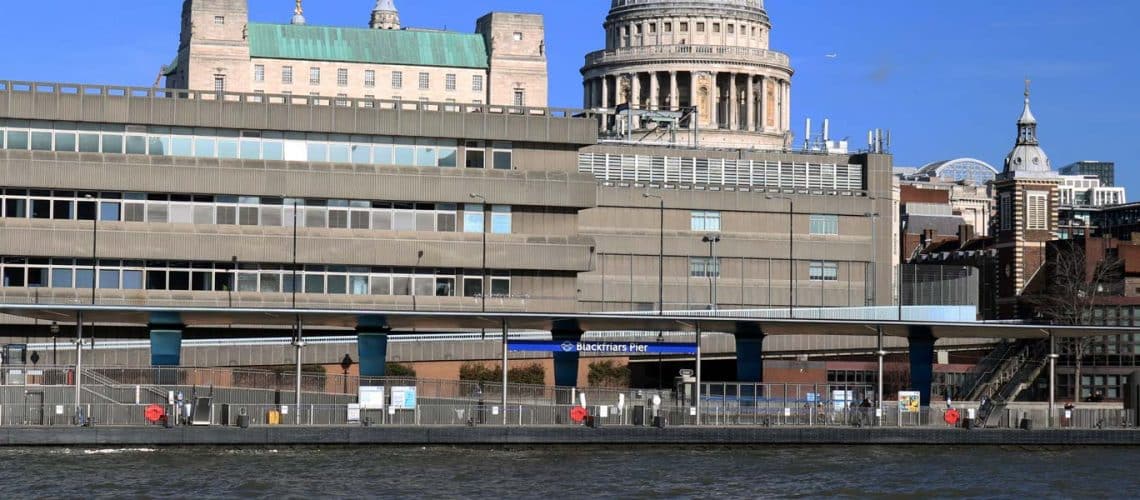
[(248, 144), (709, 267), (253, 211), (21, 272), (450, 80), (683, 26), (709, 221)]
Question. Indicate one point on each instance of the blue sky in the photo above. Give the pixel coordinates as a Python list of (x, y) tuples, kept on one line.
[(945, 77)]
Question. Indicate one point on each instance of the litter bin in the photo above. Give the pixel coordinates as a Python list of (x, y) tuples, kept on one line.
[(225, 414), (243, 419), (1026, 424), (967, 423), (659, 422), (639, 416)]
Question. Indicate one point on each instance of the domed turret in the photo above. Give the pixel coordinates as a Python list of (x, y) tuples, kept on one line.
[(1027, 158), (385, 16)]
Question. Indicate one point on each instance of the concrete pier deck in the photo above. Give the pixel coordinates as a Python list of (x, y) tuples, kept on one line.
[(561, 435)]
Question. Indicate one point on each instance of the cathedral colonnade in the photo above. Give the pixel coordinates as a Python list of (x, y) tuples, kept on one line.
[(750, 102)]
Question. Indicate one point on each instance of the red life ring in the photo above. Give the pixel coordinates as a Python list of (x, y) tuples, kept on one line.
[(952, 416), (153, 413), (578, 414)]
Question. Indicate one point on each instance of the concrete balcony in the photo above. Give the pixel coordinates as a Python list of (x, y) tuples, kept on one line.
[(689, 53), (255, 244)]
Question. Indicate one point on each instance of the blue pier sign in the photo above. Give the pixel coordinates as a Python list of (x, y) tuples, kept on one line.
[(625, 348)]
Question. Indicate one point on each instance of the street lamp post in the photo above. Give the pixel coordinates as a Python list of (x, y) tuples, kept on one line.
[(94, 245), (233, 280), (660, 252), (791, 254), (483, 285), (874, 216), (294, 277), (345, 364), (660, 273), (712, 240), (54, 345)]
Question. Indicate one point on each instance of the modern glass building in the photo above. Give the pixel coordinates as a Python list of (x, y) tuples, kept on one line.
[(1104, 170)]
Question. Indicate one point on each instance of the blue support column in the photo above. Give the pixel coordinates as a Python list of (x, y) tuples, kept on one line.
[(566, 363), (921, 342), (165, 339), (749, 352), (372, 345)]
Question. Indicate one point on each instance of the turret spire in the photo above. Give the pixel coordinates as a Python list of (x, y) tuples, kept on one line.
[(299, 14), (385, 16)]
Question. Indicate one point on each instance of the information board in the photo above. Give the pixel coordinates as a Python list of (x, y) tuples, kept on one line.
[(371, 397), (404, 398)]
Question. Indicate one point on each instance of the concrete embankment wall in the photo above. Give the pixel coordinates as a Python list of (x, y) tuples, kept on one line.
[(488, 435)]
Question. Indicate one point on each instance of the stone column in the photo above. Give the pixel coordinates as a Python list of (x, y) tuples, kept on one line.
[(714, 94), (635, 90), (761, 112), (674, 92), (750, 118), (654, 91), (586, 84), (732, 110), (787, 104), (605, 92), (693, 98)]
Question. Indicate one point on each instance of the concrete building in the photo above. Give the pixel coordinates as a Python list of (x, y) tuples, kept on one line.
[(703, 65), (259, 200), (1087, 191), (220, 50)]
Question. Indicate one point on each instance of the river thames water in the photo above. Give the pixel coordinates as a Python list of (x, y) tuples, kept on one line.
[(580, 472)]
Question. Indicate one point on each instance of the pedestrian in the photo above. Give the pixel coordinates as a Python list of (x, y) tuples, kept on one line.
[(865, 411)]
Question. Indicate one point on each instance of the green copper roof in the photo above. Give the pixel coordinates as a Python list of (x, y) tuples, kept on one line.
[(322, 43)]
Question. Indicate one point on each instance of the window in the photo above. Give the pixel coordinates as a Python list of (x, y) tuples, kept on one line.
[(449, 81), (731, 29), (397, 79), (517, 36), (477, 83), (425, 81), (500, 286), (369, 78), (501, 219), (259, 73), (314, 76), (473, 218), (638, 29), (652, 28), (287, 75), (684, 26), (668, 27), (824, 224), (219, 20), (716, 27), (823, 271), (342, 77), (704, 267), (1006, 209), (1036, 212), (705, 220), (502, 157), (700, 27), (219, 83), (474, 154), (520, 97), (472, 287)]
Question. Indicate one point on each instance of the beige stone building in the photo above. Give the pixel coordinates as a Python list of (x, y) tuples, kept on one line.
[(708, 59), (502, 63)]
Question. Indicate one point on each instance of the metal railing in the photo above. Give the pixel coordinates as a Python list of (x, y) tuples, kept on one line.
[(689, 52), (124, 91)]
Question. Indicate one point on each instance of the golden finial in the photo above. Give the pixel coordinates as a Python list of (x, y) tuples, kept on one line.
[(298, 10)]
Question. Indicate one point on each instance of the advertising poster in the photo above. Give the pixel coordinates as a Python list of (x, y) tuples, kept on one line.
[(908, 401)]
